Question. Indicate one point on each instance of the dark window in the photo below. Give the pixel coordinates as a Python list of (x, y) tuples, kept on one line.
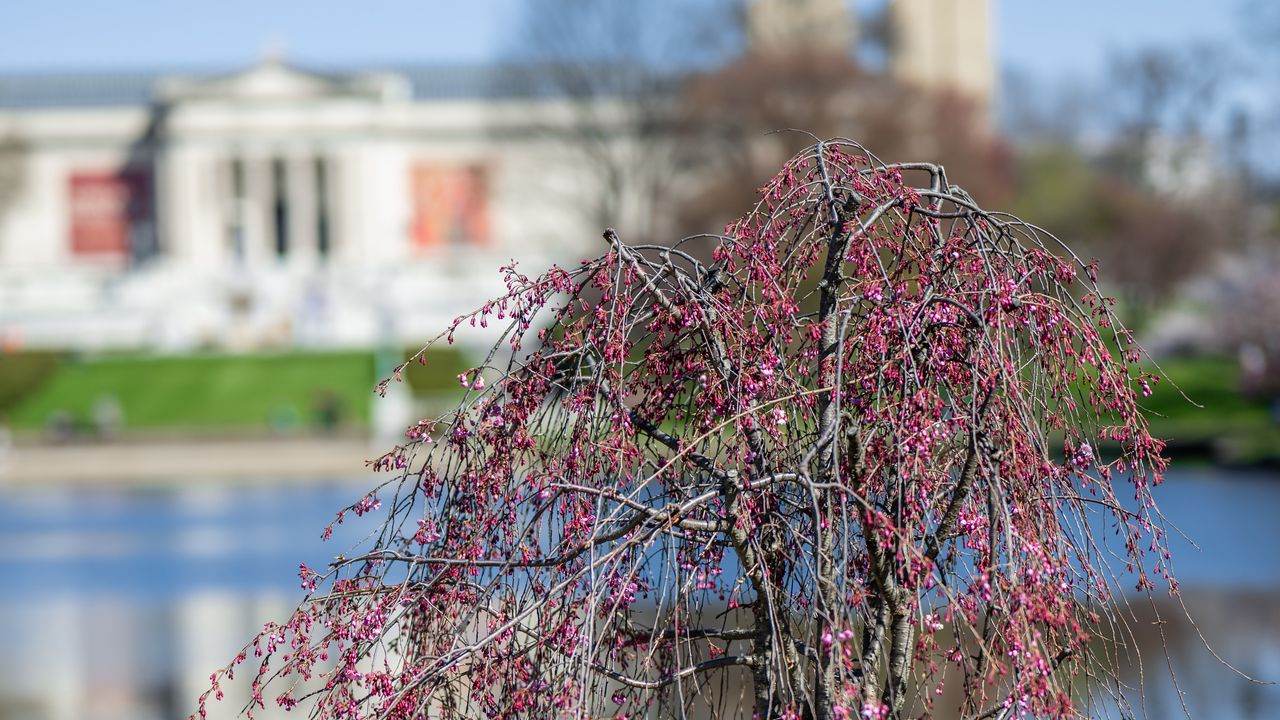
[(280, 206), (322, 208), (235, 226)]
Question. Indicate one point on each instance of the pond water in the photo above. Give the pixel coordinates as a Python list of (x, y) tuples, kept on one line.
[(118, 602)]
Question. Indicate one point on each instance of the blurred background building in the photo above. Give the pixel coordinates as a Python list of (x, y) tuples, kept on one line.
[(270, 207), (277, 207)]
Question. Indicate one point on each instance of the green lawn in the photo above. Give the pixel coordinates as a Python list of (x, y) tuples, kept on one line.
[(1211, 382), (215, 392), (1239, 426), (202, 391), (437, 372), (21, 373)]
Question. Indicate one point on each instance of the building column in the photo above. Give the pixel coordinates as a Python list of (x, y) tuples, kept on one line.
[(300, 194), (258, 245), (231, 188)]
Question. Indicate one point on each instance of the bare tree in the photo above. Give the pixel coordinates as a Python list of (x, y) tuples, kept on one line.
[(1174, 89), (619, 67), (1149, 244), (733, 115), (854, 459), (1246, 317)]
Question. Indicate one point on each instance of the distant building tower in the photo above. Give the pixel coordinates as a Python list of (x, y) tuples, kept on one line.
[(801, 25), (944, 45)]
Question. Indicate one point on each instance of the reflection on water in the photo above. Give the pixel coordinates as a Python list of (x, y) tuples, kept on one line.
[(118, 603), (153, 545), (1241, 625)]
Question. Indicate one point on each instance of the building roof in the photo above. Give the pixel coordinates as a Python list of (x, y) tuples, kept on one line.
[(78, 90), (134, 89)]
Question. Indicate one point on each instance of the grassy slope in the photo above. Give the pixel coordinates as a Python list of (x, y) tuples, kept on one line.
[(1241, 426), (245, 391), (204, 391), (21, 373)]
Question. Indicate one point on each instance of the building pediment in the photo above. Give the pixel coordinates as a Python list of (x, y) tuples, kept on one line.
[(274, 81)]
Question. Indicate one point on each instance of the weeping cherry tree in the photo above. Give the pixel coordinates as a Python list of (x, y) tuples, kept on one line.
[(877, 452)]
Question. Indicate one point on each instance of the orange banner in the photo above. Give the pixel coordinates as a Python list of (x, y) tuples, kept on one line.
[(450, 205)]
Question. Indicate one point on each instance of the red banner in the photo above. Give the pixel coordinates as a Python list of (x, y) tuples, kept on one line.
[(106, 208), (450, 205)]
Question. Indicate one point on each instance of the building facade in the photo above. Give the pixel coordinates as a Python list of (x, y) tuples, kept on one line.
[(279, 207), (272, 206)]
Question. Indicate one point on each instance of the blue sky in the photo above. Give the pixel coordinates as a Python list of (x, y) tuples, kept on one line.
[(1069, 37), (161, 35), (1045, 37)]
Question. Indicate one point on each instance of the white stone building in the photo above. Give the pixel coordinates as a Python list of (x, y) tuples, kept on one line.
[(272, 206), (278, 207)]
